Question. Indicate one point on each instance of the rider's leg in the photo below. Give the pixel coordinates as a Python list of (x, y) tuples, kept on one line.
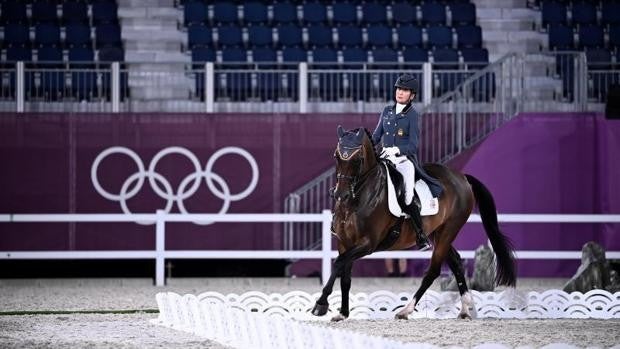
[(408, 171), (416, 222)]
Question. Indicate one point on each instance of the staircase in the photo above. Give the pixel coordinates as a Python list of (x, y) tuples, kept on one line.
[(155, 64)]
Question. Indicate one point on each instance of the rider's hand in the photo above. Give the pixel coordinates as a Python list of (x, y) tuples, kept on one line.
[(390, 151)]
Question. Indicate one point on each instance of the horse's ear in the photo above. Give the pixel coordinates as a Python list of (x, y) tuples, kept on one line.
[(359, 134), (340, 131)]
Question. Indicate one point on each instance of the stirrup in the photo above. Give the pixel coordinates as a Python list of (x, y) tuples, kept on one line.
[(423, 243)]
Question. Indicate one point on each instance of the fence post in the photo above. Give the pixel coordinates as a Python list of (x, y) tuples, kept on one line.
[(303, 87), (427, 84), (20, 93), (326, 243), (160, 241), (209, 83), (116, 90)]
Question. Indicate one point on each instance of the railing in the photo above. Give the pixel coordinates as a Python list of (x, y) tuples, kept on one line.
[(326, 254), (600, 77)]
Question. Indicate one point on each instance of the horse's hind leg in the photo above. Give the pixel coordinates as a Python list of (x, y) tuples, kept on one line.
[(455, 264)]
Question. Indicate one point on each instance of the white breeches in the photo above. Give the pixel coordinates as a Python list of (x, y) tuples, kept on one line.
[(406, 168)]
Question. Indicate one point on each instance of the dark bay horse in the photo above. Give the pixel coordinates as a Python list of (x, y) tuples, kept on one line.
[(362, 222)]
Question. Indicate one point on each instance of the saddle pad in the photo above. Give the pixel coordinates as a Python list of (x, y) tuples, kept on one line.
[(430, 205)]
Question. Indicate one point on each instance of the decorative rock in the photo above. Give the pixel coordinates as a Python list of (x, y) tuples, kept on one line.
[(483, 278), (593, 273)]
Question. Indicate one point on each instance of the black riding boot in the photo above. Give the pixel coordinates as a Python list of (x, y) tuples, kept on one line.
[(416, 221)]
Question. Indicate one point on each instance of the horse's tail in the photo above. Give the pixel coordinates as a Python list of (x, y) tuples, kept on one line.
[(506, 269)]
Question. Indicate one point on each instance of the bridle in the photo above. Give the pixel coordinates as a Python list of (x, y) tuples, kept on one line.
[(355, 181)]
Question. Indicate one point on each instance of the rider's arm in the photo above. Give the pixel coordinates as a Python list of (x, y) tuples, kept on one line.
[(412, 145), (376, 136)]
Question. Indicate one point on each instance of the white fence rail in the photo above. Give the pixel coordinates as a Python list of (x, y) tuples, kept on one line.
[(325, 254)]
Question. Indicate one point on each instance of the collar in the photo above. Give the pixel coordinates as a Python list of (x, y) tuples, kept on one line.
[(405, 110)]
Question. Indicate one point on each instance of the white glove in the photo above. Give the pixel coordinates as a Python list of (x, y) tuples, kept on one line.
[(389, 152)]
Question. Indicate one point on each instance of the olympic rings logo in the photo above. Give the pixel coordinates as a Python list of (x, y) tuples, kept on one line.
[(162, 187)]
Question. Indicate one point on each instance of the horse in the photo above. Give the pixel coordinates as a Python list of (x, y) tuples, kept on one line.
[(363, 224)]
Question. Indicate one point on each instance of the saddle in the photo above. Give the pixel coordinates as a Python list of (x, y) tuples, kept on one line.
[(423, 197)]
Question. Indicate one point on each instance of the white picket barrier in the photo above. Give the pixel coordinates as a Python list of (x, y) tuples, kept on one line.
[(259, 320)]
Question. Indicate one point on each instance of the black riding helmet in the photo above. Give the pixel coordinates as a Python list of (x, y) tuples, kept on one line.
[(407, 81)]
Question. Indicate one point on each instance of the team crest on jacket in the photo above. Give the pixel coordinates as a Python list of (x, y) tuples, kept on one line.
[(400, 132)]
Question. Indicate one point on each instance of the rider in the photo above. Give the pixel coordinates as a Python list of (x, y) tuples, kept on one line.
[(399, 132)]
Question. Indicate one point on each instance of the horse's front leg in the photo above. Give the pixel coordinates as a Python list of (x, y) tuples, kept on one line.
[(345, 287), (321, 306)]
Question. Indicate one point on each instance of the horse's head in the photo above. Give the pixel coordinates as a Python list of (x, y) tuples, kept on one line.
[(355, 156)]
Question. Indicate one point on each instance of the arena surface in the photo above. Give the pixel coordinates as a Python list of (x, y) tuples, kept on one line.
[(101, 313)]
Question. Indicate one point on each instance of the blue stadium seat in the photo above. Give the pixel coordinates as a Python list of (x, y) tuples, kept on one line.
[(13, 12), (384, 55), (324, 54), (553, 13), (463, 13), (224, 13), (344, 13), (610, 13), (354, 55), (104, 12), (373, 13), (18, 53), (409, 36), (440, 36), (77, 34), (583, 13), (415, 55), (264, 55), (284, 12), (260, 36), (44, 12), (254, 13), (108, 34), (319, 35), (74, 12), (475, 57), (195, 12), (199, 35), (234, 55), (469, 36), (379, 36), (47, 34), (597, 58), (16, 34), (81, 54), (349, 36), (446, 55), (49, 54), (591, 36), (289, 35), (561, 37), (294, 54), (111, 54), (403, 13), (614, 36), (203, 54), (229, 36), (433, 13), (314, 12)]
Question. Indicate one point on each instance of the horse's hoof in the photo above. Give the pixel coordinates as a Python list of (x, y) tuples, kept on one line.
[(464, 316), (338, 317), (320, 309), (400, 316)]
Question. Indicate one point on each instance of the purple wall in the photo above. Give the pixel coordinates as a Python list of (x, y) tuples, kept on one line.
[(551, 163)]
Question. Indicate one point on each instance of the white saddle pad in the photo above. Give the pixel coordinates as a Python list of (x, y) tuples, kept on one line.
[(430, 205)]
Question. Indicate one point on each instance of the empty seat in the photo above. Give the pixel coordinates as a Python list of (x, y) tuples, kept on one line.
[(47, 34), (294, 54), (354, 55), (373, 13), (254, 13), (403, 13), (553, 12), (108, 34), (591, 36), (13, 12), (284, 12), (349, 36), (224, 12), (229, 36), (469, 36), (415, 55), (44, 11), (440, 36), (433, 13), (203, 54), (77, 34), (74, 12), (409, 36), (199, 35), (111, 54), (614, 36), (49, 54), (16, 34), (319, 35), (610, 13), (104, 12), (195, 12), (314, 12), (324, 54), (81, 54), (475, 57), (384, 54), (18, 53), (289, 35), (446, 55), (344, 13), (234, 54), (560, 37), (260, 36), (584, 13), (598, 59), (379, 36), (463, 13), (264, 54)]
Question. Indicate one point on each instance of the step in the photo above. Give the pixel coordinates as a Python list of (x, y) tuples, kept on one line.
[(149, 12), (153, 46), (160, 93), (160, 80), (139, 68), (147, 35), (504, 3), (145, 3), (150, 22), (155, 56), (502, 48), (511, 36), (506, 24), (497, 13)]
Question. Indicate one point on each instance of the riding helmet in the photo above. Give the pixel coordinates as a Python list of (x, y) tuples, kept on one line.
[(407, 81)]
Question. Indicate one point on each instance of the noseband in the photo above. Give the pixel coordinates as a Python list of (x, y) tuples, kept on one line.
[(346, 154)]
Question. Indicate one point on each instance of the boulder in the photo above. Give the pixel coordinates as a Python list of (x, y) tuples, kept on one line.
[(483, 278), (594, 271)]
